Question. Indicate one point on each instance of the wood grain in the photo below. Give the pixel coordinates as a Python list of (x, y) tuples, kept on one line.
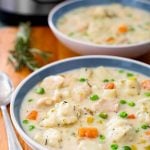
[(42, 38)]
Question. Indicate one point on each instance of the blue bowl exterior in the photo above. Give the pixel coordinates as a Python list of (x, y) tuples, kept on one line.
[(79, 3), (70, 65)]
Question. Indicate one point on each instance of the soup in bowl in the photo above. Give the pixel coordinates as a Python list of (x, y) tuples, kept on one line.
[(78, 105), (105, 27)]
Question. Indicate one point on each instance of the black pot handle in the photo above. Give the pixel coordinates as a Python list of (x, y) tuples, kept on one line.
[(47, 1)]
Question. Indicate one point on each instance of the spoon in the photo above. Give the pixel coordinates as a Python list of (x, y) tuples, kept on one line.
[(6, 89)]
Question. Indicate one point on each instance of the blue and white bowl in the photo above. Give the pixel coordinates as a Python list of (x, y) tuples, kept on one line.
[(60, 67), (81, 47)]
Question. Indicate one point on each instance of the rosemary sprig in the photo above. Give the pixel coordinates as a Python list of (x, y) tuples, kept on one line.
[(23, 55)]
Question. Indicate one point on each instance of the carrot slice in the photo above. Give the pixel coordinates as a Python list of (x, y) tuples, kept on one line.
[(123, 28), (146, 84), (131, 116), (32, 115), (147, 133), (88, 132), (110, 40), (109, 86)]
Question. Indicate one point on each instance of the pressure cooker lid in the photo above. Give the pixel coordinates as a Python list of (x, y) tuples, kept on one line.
[(48, 1)]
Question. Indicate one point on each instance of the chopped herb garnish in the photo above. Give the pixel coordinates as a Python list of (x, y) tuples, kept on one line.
[(30, 100), (145, 126), (101, 138), (147, 94), (25, 121), (82, 79), (132, 104), (112, 80), (137, 130), (126, 148), (122, 101), (123, 114), (130, 74), (40, 90), (114, 146), (103, 115), (94, 97), (31, 127)]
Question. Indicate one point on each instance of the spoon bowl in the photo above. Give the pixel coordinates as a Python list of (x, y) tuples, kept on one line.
[(6, 88)]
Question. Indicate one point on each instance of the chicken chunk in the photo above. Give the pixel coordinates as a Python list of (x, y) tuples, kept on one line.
[(81, 91), (128, 87), (106, 105)]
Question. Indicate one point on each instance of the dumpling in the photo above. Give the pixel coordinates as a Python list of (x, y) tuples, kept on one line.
[(62, 114), (52, 82), (119, 130), (51, 137), (143, 113)]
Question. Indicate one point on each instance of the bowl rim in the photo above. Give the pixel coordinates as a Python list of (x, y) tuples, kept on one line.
[(64, 36), (19, 129)]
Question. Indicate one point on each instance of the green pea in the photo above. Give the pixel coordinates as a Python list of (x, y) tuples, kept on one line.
[(122, 101), (132, 104), (147, 94), (126, 148), (145, 126), (130, 74), (31, 127), (94, 97), (101, 138), (114, 146), (123, 114), (25, 121), (40, 90), (103, 115)]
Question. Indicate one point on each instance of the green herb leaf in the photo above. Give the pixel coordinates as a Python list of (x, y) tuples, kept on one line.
[(23, 55)]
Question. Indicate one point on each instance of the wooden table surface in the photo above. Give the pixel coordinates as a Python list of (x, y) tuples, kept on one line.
[(41, 38)]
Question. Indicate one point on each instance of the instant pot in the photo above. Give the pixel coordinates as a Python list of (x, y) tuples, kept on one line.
[(35, 11)]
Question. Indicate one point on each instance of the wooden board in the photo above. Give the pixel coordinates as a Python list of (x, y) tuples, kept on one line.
[(42, 38)]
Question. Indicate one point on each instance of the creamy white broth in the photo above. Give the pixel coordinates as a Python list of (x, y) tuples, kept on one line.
[(90, 98), (106, 24)]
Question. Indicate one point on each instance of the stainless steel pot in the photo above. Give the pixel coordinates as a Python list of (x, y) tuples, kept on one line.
[(28, 7)]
